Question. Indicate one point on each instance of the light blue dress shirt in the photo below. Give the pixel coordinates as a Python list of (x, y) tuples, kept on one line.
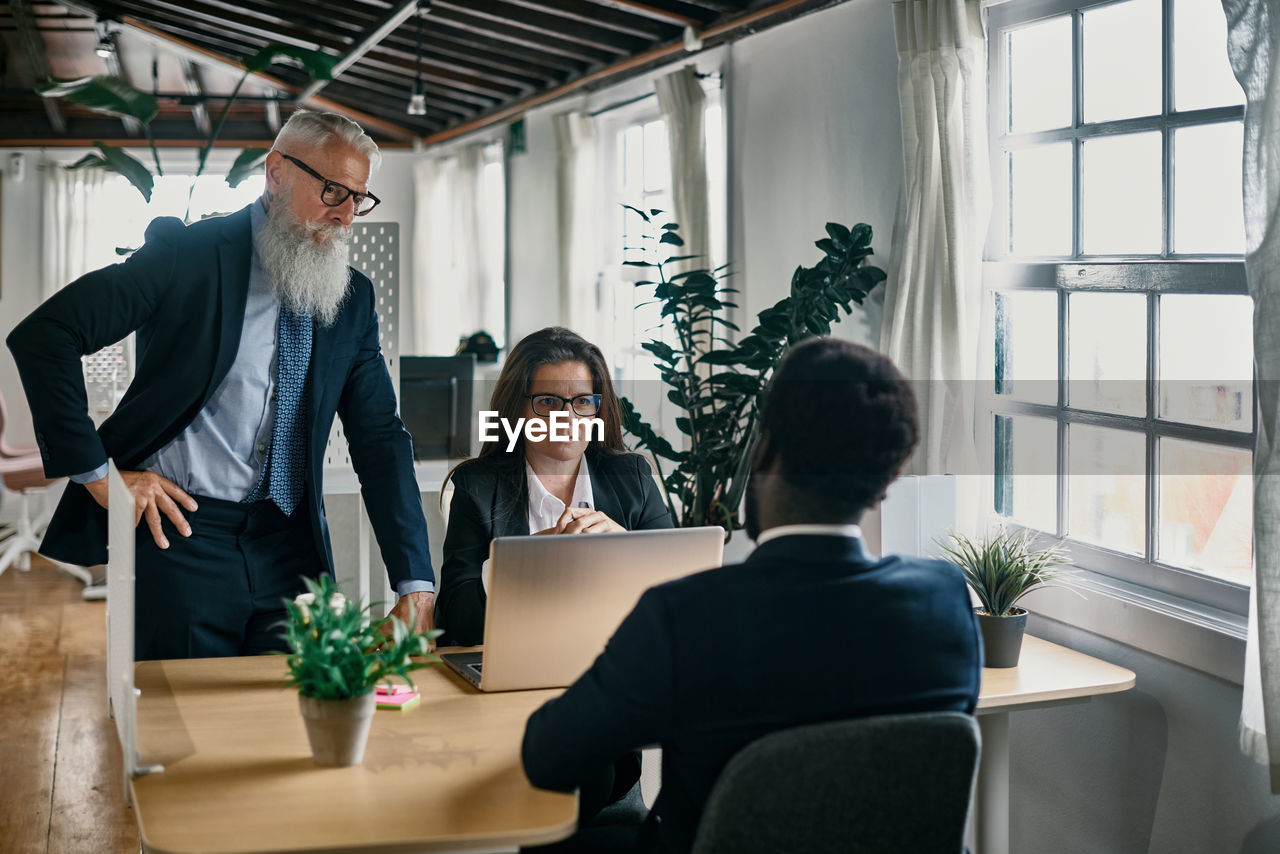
[(221, 452)]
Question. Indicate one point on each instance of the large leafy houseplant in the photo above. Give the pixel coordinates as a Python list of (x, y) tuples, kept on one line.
[(718, 382), (113, 96), (337, 657)]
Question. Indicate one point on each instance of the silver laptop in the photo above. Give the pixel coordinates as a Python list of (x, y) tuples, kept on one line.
[(554, 600)]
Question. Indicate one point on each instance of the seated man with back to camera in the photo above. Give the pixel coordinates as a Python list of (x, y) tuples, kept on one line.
[(810, 628)]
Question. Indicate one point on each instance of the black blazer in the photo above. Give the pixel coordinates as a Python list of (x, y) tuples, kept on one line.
[(808, 629), (184, 294), (486, 505)]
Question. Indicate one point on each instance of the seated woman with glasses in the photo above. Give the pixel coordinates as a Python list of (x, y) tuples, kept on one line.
[(585, 486)]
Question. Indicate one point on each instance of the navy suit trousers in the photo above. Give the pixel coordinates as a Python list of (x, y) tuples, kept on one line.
[(221, 591)]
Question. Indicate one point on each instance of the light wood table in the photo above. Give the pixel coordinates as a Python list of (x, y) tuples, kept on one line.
[(1046, 675), (444, 775)]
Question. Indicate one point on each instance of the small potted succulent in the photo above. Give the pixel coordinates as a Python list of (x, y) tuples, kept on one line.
[(1001, 568), (339, 656)]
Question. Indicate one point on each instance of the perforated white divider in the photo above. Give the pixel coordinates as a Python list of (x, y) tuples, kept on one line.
[(375, 251), (106, 376)]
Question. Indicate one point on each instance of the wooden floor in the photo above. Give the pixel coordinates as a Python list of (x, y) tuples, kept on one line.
[(60, 785)]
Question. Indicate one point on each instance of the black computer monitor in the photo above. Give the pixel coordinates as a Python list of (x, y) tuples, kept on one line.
[(435, 404)]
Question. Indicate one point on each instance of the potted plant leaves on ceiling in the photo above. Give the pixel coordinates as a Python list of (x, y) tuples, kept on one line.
[(716, 382), (1001, 568), (114, 97), (338, 657)]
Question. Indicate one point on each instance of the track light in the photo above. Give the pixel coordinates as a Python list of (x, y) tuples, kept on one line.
[(105, 48), (417, 101)]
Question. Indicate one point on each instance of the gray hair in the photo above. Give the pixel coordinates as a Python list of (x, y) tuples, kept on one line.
[(314, 129)]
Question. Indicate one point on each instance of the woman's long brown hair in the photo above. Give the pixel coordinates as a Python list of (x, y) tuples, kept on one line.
[(551, 346)]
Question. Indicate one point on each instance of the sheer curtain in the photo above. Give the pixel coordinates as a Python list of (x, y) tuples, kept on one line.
[(72, 202), (578, 215), (459, 245), (1253, 44), (683, 106), (933, 295)]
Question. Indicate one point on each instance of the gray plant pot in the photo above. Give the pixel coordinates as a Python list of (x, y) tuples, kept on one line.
[(337, 729), (1002, 637)]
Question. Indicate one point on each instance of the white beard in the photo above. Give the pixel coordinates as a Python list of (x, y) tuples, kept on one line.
[(307, 276)]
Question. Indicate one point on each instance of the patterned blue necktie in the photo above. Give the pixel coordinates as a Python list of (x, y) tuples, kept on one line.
[(284, 471)]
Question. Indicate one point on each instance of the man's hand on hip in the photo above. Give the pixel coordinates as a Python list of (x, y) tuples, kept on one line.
[(152, 495), (422, 618)]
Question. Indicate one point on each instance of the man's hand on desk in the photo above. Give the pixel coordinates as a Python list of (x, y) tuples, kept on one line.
[(422, 618), (152, 495)]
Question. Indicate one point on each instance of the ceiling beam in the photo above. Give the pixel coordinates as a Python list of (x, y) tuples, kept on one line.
[(654, 12), (191, 76), (387, 26), (184, 49), (37, 60)]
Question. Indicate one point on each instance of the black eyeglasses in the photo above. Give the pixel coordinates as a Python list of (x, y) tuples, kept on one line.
[(583, 405), (333, 193)]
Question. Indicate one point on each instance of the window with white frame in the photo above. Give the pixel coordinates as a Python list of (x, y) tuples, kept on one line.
[(1121, 415), (638, 163)]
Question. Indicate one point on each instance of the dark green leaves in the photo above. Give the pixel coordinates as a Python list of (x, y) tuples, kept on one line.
[(115, 160), (103, 94), (248, 163), (318, 65)]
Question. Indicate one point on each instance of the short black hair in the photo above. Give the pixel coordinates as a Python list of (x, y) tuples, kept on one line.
[(841, 418)]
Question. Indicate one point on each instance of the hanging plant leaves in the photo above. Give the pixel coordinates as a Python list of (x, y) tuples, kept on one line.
[(87, 162), (318, 65), (117, 161), (103, 94), (248, 163)]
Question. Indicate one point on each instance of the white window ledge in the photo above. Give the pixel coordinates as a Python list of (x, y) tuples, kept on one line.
[(1189, 633)]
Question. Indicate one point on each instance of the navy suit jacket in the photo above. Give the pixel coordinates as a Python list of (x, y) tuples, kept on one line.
[(807, 629), (184, 294)]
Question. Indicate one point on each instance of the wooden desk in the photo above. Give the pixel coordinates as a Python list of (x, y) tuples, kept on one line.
[(1046, 675), (238, 776)]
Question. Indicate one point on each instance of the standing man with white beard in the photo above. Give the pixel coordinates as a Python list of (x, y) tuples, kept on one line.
[(252, 333)]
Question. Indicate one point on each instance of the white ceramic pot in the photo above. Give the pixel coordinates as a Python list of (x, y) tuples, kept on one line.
[(338, 729)]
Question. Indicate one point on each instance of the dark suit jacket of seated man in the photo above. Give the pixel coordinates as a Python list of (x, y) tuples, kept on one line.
[(809, 628), (204, 309)]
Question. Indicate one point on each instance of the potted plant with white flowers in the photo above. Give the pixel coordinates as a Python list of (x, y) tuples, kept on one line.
[(338, 657), (1001, 568)]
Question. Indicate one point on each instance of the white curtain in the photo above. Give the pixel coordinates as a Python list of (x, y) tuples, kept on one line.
[(682, 104), (933, 295), (578, 216), (72, 203), (1253, 45), (459, 240)]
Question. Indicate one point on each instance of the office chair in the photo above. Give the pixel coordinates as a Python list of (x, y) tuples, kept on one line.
[(898, 784), (22, 472)]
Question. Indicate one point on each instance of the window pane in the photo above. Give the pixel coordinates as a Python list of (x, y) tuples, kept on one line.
[(1026, 466), (1206, 508), (633, 161), (1206, 360), (657, 157), (1106, 482), (1026, 361), (1039, 75), (1107, 352), (1122, 60), (1122, 192), (1201, 72), (1040, 200), (1208, 214)]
